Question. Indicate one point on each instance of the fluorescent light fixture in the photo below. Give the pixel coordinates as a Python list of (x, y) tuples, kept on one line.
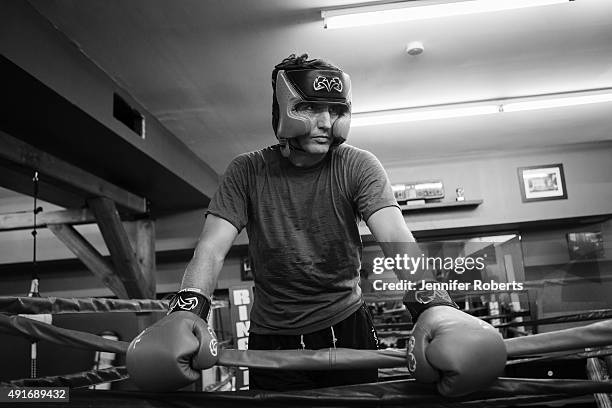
[(413, 115), (412, 10), (477, 108), (556, 102)]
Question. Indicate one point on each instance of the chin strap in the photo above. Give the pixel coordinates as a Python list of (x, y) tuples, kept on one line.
[(286, 146)]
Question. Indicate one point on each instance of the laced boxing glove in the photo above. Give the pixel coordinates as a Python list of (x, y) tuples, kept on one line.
[(456, 351), (170, 354)]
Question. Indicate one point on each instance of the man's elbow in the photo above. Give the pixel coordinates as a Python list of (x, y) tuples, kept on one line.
[(401, 233)]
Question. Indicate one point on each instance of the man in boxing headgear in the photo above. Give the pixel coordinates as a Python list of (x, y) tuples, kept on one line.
[(296, 88), (300, 202)]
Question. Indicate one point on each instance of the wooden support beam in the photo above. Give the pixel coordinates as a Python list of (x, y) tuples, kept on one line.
[(89, 185), (121, 251), (142, 234), (19, 179), (90, 257), (145, 252), (25, 220)]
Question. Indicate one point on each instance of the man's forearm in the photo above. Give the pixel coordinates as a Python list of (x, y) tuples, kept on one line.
[(410, 250), (396, 240), (203, 271)]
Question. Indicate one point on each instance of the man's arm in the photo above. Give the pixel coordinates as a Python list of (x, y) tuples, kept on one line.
[(215, 241), (395, 238), (458, 352)]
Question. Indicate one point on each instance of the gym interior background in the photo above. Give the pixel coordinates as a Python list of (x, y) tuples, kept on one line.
[(146, 102)]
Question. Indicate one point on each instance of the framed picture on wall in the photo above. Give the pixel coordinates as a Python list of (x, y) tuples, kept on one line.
[(539, 183)]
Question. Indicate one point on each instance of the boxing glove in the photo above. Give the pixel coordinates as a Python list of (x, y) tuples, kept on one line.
[(170, 354), (456, 351)]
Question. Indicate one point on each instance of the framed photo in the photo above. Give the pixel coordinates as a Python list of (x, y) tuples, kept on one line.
[(540, 183)]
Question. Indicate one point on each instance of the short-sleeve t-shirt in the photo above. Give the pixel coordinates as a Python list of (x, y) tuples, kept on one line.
[(302, 224)]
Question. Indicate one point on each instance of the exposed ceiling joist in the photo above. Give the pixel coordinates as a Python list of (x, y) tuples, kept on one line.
[(30, 159), (25, 220), (19, 179)]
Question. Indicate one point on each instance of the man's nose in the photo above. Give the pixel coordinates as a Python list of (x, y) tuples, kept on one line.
[(324, 119)]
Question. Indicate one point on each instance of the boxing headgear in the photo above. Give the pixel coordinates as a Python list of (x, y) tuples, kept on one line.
[(311, 85)]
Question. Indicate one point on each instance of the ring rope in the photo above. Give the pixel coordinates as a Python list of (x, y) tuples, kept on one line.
[(593, 335), (55, 305), (58, 335), (573, 355), (600, 314), (77, 380), (503, 392), (576, 317), (517, 391)]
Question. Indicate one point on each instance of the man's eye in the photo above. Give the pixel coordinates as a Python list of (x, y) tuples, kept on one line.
[(336, 110), (305, 107)]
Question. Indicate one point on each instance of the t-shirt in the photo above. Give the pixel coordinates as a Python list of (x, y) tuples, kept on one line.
[(302, 224)]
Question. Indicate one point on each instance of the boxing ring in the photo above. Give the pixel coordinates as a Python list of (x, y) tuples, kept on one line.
[(589, 341)]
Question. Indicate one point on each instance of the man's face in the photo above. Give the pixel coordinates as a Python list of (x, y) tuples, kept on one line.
[(321, 117)]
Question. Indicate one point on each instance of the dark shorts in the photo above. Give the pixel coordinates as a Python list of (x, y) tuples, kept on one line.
[(356, 331)]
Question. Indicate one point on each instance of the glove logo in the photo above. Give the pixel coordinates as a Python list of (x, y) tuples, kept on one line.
[(411, 359), (329, 84), (213, 342), (427, 296), (213, 347), (189, 303), (424, 296)]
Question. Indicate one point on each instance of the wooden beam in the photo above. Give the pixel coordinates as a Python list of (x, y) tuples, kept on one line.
[(121, 251), (25, 220), (90, 257), (19, 179), (30, 158), (73, 119), (143, 240)]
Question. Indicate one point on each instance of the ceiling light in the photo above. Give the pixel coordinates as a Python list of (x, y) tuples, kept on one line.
[(410, 11), (556, 102), (476, 108), (413, 115)]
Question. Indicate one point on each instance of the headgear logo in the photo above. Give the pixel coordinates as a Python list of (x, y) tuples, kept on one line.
[(329, 84), (187, 303)]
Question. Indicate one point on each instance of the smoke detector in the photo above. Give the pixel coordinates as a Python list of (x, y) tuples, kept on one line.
[(415, 48)]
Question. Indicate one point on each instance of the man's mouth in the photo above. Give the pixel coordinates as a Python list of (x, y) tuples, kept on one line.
[(320, 138)]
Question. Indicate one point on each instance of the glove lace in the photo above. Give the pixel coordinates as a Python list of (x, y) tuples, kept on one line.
[(334, 339)]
